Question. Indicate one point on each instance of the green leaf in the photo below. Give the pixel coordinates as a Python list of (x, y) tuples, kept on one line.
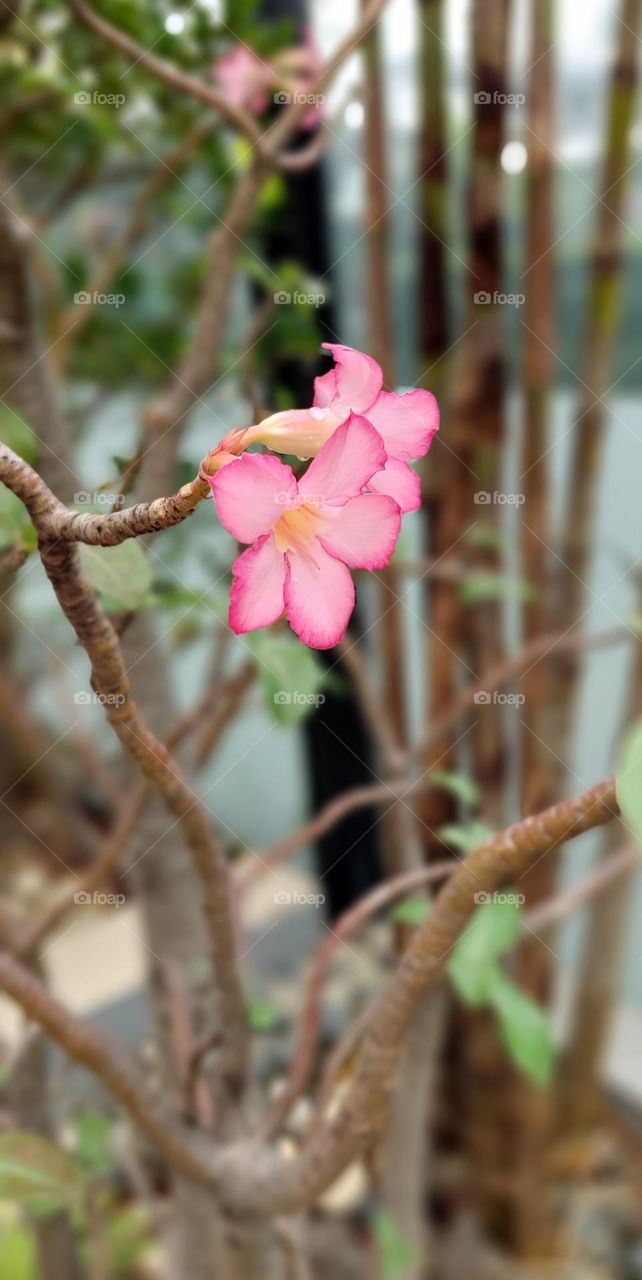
[(128, 1236), (122, 573), (15, 432), (473, 964), (290, 674), (485, 585), (464, 835), (526, 1029), (17, 1252), (395, 1254), (459, 786), (262, 1015), (628, 780), (34, 1171), (411, 911), (93, 1132), (13, 518)]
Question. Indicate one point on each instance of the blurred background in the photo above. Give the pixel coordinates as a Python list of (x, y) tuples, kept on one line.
[(469, 216)]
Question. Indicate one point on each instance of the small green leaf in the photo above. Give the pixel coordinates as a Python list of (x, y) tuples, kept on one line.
[(473, 963), (526, 1029), (395, 1254), (93, 1132), (464, 835), (13, 518), (459, 786), (36, 1172), (485, 585), (128, 1236), (262, 1015), (290, 675), (628, 780), (15, 432), (411, 911), (122, 573)]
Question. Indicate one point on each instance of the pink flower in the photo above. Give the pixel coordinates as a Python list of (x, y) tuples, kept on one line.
[(245, 80), (406, 423), (250, 81), (306, 534)]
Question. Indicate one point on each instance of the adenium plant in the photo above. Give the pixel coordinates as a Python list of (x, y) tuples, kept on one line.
[(344, 512)]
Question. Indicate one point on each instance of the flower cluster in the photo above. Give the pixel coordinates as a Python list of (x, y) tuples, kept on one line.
[(343, 513)]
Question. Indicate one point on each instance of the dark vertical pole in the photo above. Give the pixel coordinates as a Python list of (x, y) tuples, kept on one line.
[(338, 750)]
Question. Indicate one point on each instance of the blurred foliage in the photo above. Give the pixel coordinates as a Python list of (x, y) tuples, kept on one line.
[(38, 1175), (83, 128), (629, 780)]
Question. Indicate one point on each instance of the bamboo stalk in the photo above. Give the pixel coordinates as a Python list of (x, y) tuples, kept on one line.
[(579, 1080)]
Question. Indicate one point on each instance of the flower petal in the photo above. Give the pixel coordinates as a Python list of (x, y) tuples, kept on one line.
[(354, 383), (251, 494), (405, 423), (344, 465), (364, 532), (400, 482), (302, 432), (256, 598), (319, 597)]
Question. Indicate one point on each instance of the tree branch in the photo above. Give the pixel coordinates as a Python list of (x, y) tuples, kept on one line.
[(94, 1051), (109, 678), (181, 81)]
